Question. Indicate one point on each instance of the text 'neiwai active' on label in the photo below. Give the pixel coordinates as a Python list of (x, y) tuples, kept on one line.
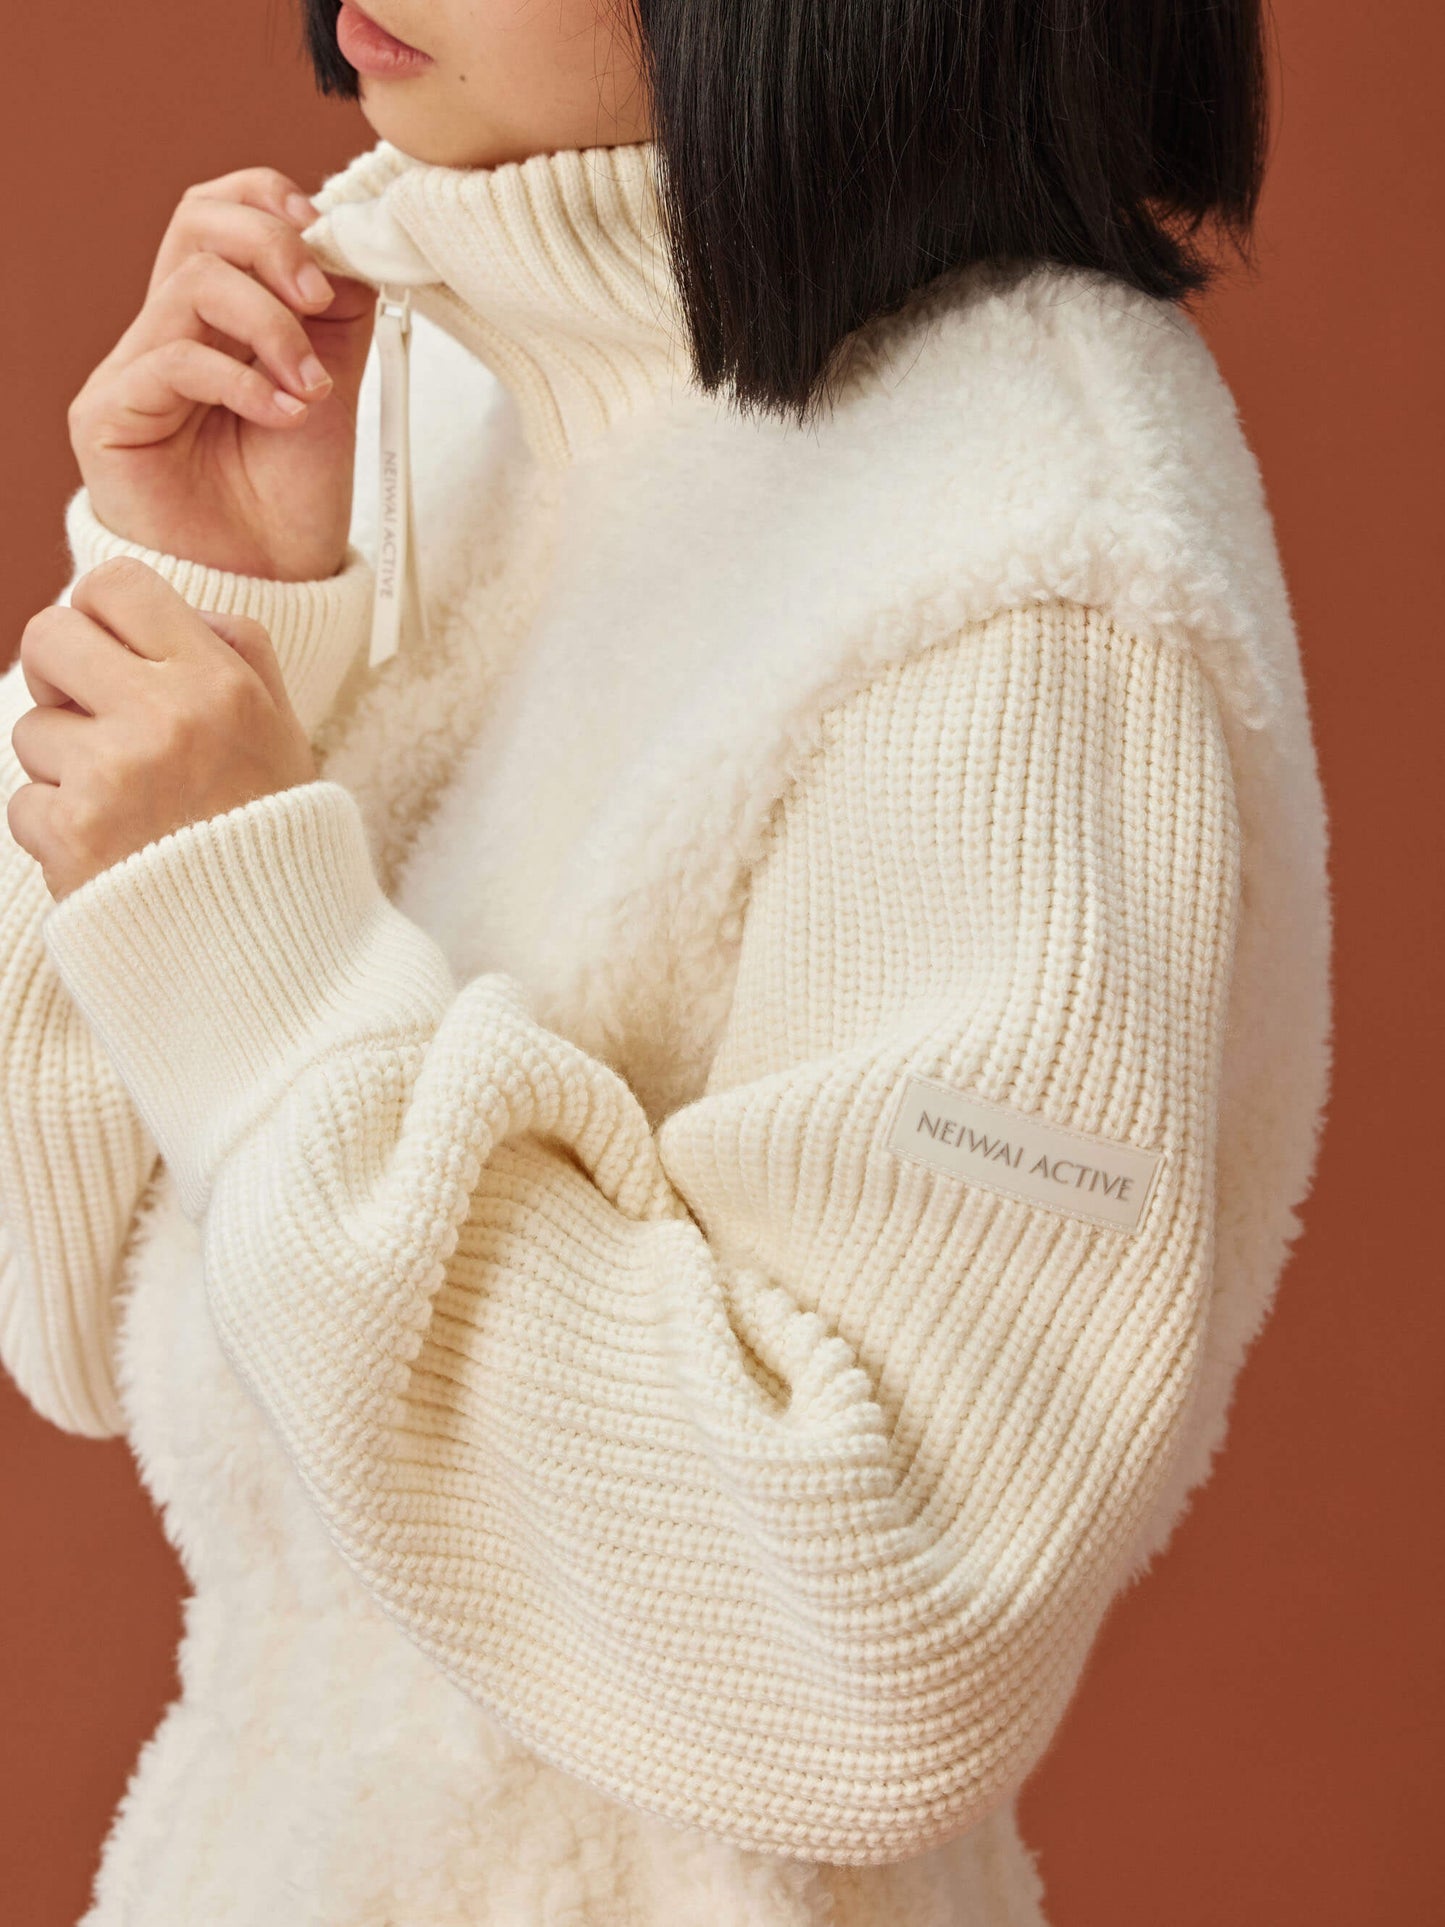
[(1021, 1156)]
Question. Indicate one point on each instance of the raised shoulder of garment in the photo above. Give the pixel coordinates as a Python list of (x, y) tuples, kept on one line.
[(1055, 434)]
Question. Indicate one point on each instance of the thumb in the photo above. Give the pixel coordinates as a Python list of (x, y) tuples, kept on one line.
[(252, 644)]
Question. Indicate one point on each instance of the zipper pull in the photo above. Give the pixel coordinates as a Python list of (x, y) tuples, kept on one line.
[(398, 596)]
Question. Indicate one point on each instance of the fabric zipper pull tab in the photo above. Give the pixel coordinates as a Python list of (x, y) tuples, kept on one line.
[(398, 593)]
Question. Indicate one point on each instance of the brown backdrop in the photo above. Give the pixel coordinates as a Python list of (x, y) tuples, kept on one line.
[(1257, 1737)]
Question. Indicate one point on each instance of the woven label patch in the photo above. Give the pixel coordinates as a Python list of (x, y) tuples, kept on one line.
[(1021, 1156)]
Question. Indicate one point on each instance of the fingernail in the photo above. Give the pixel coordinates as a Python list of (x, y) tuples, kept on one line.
[(288, 404), (301, 210), (313, 284)]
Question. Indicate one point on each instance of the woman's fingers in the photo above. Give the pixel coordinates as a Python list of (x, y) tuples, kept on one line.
[(65, 657), (264, 187), (263, 245), (252, 643), (48, 741), (150, 398), (208, 295)]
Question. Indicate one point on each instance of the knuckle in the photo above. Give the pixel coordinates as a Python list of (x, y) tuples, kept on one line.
[(87, 815), (186, 215), (19, 749), (37, 631), (236, 707), (19, 820), (269, 180), (253, 631), (122, 574), (21, 731), (200, 265), (39, 636), (176, 356), (183, 724)]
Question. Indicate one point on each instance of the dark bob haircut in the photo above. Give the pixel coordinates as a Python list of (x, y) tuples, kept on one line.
[(819, 160)]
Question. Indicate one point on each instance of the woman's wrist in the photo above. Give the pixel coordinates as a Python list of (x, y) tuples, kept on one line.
[(234, 554)]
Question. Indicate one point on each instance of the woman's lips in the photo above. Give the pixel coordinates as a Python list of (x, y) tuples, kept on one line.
[(370, 49)]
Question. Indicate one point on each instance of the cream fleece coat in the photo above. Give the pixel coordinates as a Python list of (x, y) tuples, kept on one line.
[(668, 1234)]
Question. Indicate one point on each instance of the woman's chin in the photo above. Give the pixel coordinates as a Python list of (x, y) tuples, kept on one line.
[(429, 123), (416, 132)]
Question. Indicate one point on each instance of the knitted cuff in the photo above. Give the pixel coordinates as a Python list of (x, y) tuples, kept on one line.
[(216, 963)]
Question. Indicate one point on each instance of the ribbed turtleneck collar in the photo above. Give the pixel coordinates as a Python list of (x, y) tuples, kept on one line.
[(552, 270)]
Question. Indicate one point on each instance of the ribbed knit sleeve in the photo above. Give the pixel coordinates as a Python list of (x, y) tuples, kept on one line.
[(74, 1156), (770, 1470)]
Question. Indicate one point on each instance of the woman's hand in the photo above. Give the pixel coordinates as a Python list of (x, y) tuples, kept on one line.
[(177, 432), (149, 715)]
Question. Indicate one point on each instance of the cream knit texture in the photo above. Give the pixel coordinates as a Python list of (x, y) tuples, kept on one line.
[(802, 1554), (617, 1486)]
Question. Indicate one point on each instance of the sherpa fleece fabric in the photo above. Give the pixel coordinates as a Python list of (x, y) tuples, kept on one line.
[(668, 1233)]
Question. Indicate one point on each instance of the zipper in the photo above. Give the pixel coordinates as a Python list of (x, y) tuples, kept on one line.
[(398, 601)]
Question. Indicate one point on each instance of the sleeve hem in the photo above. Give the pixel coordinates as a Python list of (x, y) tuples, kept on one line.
[(217, 961)]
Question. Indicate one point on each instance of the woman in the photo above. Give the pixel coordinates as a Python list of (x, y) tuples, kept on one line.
[(662, 1072)]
